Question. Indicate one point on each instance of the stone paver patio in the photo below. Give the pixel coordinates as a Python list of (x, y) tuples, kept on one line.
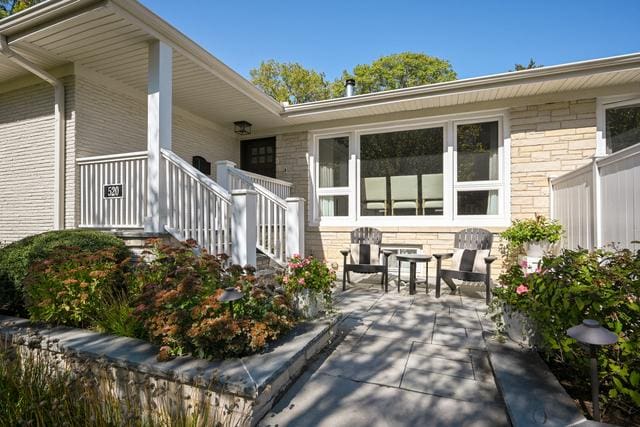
[(401, 360)]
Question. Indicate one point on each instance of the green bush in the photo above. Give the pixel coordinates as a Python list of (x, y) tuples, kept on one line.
[(180, 311), (16, 258), (71, 286), (603, 285), (532, 230)]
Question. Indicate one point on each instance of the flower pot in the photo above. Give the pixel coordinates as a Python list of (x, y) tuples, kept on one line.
[(519, 327), (537, 249), (309, 304)]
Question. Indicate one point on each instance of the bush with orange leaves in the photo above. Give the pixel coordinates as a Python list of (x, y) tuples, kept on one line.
[(179, 309)]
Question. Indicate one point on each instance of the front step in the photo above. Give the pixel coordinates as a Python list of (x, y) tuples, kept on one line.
[(136, 241)]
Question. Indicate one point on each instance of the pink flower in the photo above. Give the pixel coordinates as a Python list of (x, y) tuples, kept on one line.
[(522, 289), (301, 281), (296, 256), (285, 279)]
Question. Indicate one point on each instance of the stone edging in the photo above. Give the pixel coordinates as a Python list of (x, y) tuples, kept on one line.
[(532, 394), (259, 378)]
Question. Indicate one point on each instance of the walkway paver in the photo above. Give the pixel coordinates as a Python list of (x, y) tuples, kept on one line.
[(402, 360)]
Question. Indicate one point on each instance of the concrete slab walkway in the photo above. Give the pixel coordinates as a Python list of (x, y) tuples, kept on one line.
[(401, 360)]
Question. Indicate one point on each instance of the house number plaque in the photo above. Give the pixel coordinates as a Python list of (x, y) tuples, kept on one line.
[(112, 191)]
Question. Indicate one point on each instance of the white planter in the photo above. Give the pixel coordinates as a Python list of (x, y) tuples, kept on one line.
[(537, 249), (519, 327), (309, 304)]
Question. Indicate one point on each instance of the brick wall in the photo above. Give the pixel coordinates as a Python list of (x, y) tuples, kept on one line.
[(547, 140), (26, 159)]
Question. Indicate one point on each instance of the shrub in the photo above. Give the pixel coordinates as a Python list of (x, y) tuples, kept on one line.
[(603, 285), (70, 287), (180, 311), (308, 274), (16, 258), (534, 229)]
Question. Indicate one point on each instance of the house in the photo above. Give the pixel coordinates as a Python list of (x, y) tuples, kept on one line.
[(111, 118)]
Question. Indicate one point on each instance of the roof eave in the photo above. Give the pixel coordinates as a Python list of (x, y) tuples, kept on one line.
[(615, 63)]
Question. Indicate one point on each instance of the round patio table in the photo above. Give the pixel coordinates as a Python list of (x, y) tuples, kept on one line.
[(413, 260)]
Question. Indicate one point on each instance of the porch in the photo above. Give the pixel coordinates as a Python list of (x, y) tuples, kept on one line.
[(233, 215)]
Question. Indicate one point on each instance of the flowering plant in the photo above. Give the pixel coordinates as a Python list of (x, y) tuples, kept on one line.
[(308, 274)]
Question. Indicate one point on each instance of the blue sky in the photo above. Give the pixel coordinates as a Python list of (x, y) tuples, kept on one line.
[(478, 37)]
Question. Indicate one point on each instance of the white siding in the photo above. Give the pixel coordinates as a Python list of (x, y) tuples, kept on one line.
[(573, 207)]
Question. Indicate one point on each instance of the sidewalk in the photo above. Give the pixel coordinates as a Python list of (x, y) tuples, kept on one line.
[(401, 360)]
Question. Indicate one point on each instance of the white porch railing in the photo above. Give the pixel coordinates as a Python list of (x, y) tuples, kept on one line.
[(599, 203), (279, 221), (197, 207), (104, 203)]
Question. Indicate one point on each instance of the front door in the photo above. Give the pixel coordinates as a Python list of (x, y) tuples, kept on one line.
[(259, 156)]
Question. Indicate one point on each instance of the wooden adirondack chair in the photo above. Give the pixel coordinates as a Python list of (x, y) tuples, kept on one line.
[(471, 239), (367, 242)]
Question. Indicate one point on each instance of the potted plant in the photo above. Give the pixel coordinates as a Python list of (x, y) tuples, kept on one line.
[(512, 303), (534, 235), (309, 282)]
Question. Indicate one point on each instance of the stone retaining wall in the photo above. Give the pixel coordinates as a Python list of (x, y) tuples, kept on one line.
[(233, 391)]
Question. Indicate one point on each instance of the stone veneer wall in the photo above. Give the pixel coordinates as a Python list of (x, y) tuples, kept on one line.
[(546, 140)]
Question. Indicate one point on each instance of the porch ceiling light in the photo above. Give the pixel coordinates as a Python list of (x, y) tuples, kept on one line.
[(242, 127), (591, 333)]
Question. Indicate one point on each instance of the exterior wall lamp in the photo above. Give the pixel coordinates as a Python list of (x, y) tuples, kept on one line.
[(591, 333), (242, 127)]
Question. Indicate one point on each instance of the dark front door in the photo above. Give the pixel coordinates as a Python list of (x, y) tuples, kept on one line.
[(259, 156)]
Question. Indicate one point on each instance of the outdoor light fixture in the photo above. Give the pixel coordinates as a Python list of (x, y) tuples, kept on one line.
[(242, 127), (590, 332), (230, 295)]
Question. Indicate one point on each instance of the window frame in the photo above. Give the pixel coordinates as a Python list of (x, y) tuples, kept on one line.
[(602, 105), (449, 217), (484, 185)]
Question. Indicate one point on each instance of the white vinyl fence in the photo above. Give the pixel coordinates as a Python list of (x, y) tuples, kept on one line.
[(599, 203)]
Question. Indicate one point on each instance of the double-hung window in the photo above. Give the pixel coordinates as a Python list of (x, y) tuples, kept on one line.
[(477, 164), (440, 173)]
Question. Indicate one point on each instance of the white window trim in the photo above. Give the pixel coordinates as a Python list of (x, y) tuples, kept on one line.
[(602, 105), (449, 218)]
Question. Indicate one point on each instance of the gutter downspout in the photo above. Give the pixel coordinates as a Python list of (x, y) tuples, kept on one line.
[(59, 137)]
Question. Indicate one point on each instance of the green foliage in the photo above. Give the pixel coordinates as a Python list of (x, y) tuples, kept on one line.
[(532, 64), (603, 285), (533, 230), (16, 258), (290, 82), (70, 287), (399, 70), (9, 7), (308, 274), (293, 83), (34, 394), (180, 311), (116, 315)]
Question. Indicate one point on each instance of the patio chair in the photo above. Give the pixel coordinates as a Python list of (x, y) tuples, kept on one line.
[(404, 193), (432, 198), (471, 260), (375, 194), (365, 254)]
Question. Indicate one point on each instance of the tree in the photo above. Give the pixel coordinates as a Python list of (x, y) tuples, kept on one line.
[(293, 83), (529, 66), (9, 7), (290, 82), (399, 70)]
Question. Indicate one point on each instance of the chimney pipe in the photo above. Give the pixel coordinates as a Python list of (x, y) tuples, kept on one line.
[(350, 85)]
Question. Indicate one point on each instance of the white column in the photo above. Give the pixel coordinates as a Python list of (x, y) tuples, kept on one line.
[(222, 173), (159, 121), (295, 226), (244, 232)]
